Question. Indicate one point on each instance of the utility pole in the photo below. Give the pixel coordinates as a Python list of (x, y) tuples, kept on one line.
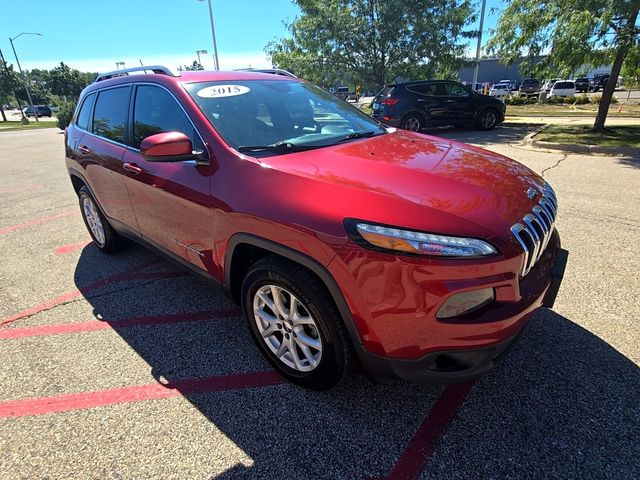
[(479, 46), (213, 35), (24, 120), (24, 79)]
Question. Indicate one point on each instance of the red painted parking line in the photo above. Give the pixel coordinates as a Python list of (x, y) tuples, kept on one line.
[(39, 221), (79, 401), (76, 293), (420, 449), (94, 325), (71, 247)]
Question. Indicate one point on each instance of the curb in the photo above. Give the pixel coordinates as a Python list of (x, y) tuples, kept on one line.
[(577, 148)]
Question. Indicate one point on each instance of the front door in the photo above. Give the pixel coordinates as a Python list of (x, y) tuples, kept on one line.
[(457, 103), (170, 199)]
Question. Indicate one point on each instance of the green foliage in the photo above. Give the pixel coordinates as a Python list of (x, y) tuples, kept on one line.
[(521, 100), (191, 68), (65, 114), (598, 98), (371, 42)]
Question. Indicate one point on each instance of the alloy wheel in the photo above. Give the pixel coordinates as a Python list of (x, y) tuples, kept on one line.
[(93, 220), (287, 328)]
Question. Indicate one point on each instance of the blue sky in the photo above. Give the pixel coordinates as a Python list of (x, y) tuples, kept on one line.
[(92, 35)]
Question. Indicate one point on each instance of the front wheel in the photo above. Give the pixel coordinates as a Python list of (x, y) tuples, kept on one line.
[(488, 119), (295, 323)]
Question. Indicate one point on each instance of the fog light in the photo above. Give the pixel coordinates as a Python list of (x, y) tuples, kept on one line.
[(465, 302)]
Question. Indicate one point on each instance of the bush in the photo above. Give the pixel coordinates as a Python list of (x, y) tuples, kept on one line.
[(65, 114), (581, 100), (520, 100), (596, 99)]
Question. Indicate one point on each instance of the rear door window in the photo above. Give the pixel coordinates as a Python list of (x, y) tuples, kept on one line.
[(110, 114), (84, 115), (455, 90)]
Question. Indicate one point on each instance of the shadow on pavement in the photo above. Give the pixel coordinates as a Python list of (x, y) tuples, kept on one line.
[(503, 134), (564, 404)]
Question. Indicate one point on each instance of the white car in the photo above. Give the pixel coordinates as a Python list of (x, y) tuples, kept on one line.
[(508, 83), (549, 84), (563, 88), (499, 90)]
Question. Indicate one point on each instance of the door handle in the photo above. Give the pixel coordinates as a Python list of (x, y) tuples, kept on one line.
[(84, 150), (132, 168)]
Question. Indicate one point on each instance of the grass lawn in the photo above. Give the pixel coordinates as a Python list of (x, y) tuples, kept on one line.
[(618, 136), (12, 125), (589, 110)]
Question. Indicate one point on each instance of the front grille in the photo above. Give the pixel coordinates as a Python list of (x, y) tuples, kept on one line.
[(534, 231)]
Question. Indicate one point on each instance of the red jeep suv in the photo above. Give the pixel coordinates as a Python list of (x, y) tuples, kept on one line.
[(345, 241)]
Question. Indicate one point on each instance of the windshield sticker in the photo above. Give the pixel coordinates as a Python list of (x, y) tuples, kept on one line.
[(218, 91)]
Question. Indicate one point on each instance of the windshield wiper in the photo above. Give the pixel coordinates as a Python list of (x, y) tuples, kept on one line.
[(279, 148), (356, 135)]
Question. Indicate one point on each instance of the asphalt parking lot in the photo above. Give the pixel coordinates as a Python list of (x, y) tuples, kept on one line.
[(125, 366)]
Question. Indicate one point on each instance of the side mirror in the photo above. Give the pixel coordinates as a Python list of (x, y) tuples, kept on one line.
[(168, 147)]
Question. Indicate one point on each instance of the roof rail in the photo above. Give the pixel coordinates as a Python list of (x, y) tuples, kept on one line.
[(159, 69), (273, 71)]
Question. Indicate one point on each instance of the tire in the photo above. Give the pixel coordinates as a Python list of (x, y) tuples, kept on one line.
[(488, 119), (104, 237), (328, 356), (414, 122)]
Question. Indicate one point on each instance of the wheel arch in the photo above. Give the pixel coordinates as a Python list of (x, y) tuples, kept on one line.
[(244, 249)]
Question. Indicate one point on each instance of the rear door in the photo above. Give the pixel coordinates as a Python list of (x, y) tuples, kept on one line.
[(100, 152), (429, 99), (171, 199)]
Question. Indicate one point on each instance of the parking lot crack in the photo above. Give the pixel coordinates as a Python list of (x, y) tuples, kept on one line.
[(564, 157)]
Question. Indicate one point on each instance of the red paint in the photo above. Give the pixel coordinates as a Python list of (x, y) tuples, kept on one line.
[(38, 221), (409, 180), (71, 247), (92, 326), (166, 144), (421, 446), (80, 401), (76, 293)]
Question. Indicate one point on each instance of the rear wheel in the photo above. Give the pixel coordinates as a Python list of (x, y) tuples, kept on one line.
[(295, 323), (413, 122), (488, 119), (103, 235)]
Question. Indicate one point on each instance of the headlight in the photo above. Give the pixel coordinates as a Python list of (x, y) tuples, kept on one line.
[(422, 243)]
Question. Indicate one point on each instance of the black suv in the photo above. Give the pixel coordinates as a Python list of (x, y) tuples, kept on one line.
[(40, 110), (582, 84), (415, 105)]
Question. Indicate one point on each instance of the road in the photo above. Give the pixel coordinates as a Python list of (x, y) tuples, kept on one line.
[(125, 366)]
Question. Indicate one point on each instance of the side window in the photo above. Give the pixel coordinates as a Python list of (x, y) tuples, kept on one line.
[(454, 90), (422, 89), (156, 111), (84, 115), (110, 113)]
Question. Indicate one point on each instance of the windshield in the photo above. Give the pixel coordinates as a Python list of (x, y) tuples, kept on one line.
[(563, 85), (249, 114)]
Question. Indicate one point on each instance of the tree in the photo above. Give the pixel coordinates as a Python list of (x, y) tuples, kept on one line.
[(593, 32), (191, 68), (64, 81), (373, 41)]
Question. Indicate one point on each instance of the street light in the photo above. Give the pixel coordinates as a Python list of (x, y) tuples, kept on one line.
[(198, 52), (119, 64), (213, 35), (26, 86)]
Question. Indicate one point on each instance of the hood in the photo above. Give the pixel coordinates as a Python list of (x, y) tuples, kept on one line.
[(482, 187)]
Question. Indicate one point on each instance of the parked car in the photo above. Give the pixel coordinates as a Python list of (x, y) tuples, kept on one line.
[(343, 240), (599, 81), (415, 105), (582, 84), (342, 93), (549, 84), (40, 110), (508, 83), (530, 86), (563, 88), (499, 90)]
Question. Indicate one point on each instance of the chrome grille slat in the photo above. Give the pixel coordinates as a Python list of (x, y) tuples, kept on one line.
[(534, 231)]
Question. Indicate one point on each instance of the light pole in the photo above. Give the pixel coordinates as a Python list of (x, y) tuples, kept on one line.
[(475, 70), (213, 35), (198, 52), (119, 64), (26, 86)]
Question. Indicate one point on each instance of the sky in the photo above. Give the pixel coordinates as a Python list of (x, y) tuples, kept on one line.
[(92, 35)]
